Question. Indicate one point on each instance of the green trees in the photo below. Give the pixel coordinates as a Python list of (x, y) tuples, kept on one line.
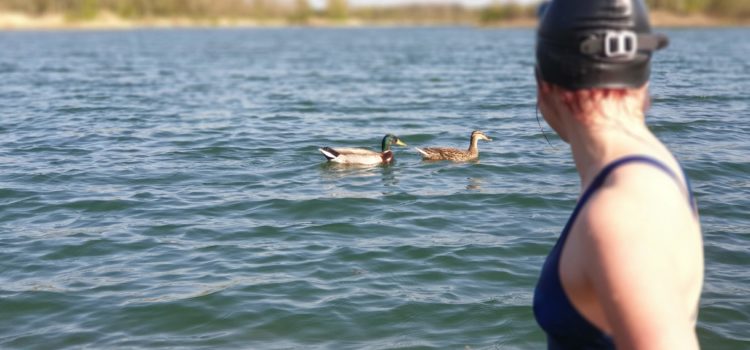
[(84, 9), (730, 8), (509, 10), (719, 8), (679, 6), (337, 9), (302, 12)]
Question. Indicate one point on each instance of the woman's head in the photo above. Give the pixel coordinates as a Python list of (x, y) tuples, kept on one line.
[(596, 44), (593, 60)]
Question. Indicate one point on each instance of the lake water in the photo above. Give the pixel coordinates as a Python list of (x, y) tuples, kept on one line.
[(163, 188)]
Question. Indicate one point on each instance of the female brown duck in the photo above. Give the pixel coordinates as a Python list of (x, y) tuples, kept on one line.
[(454, 154)]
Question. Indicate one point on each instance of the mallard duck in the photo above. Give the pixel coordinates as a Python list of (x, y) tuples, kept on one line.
[(456, 155), (363, 156)]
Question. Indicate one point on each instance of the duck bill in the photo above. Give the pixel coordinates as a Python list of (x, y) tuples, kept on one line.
[(401, 143)]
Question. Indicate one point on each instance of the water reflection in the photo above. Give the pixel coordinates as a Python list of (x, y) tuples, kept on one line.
[(339, 171), (347, 180), (389, 176), (475, 184)]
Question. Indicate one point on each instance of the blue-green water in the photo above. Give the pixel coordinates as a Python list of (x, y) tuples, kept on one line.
[(163, 188)]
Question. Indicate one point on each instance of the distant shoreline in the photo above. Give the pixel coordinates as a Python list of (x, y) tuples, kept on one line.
[(13, 21)]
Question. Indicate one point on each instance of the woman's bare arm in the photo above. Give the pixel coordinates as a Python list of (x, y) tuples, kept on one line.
[(635, 239)]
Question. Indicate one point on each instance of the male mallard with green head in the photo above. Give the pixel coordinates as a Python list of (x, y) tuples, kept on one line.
[(363, 156), (456, 155)]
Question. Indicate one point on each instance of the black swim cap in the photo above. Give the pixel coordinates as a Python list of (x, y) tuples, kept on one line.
[(595, 44)]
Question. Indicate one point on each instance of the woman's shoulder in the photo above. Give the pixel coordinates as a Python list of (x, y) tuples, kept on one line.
[(638, 233), (639, 198), (640, 217)]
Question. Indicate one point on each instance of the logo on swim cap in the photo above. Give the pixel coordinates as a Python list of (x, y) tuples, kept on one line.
[(622, 44)]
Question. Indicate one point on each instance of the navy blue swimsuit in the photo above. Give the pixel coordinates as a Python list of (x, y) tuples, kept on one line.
[(565, 327)]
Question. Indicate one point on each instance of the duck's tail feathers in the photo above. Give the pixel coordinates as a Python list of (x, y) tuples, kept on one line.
[(421, 151), (328, 152)]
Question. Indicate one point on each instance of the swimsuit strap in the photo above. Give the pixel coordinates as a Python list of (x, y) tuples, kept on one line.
[(602, 177)]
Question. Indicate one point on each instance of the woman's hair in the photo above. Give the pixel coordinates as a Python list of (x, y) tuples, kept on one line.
[(588, 103)]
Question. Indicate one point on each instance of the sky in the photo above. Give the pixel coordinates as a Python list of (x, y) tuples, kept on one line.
[(321, 3)]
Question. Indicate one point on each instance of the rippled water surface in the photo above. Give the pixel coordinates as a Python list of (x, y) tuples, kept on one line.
[(163, 188)]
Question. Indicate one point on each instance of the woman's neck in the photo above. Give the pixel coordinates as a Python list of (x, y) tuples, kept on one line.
[(596, 144)]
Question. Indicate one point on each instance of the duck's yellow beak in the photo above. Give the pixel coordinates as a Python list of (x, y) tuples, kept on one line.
[(400, 143)]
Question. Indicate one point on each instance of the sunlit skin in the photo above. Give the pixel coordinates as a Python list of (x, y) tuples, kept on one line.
[(633, 261)]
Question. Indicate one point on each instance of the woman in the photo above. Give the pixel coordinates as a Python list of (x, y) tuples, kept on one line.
[(627, 270)]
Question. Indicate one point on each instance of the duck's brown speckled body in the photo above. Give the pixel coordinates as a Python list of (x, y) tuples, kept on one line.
[(454, 154)]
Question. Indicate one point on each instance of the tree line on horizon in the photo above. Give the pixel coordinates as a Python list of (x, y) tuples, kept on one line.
[(300, 11), (739, 9)]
